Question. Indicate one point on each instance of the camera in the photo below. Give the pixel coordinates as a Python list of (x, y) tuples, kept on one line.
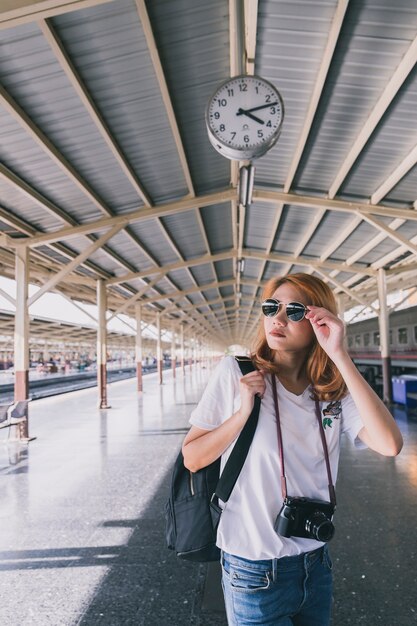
[(302, 517)]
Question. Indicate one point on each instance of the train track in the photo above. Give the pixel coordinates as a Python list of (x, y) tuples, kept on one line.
[(53, 385)]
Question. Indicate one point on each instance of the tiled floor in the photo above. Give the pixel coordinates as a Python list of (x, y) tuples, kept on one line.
[(82, 529)]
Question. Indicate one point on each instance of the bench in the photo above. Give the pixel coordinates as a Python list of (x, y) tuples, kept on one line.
[(13, 414)]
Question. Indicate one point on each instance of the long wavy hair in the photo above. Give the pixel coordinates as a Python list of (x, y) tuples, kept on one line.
[(321, 372)]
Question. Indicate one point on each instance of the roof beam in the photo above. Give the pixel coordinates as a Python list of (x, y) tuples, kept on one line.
[(206, 241), (34, 196), (341, 286), (251, 26), (166, 98), (319, 83), (391, 89), (8, 297), (48, 147), (80, 89), (178, 206), (401, 170), (42, 140), (186, 292), (95, 115), (15, 12), (391, 233), (136, 297), (274, 230), (343, 206), (202, 260), (286, 258), (67, 269)]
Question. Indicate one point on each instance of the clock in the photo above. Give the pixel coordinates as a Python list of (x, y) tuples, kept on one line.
[(244, 117)]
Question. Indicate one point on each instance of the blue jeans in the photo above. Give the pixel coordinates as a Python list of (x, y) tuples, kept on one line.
[(291, 591)]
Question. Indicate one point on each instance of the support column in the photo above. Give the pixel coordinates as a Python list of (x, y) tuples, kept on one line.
[(190, 353), (138, 346), (102, 345), (45, 353), (182, 349), (384, 337), (173, 354), (340, 306), (159, 347), (21, 337)]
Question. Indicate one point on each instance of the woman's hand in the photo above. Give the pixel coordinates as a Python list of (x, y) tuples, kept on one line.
[(251, 384), (329, 331)]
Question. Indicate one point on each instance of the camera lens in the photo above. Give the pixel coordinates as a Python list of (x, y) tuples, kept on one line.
[(319, 526)]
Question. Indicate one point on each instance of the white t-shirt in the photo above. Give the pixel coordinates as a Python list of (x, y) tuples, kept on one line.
[(246, 526)]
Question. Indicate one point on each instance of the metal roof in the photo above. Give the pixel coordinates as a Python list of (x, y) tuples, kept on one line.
[(59, 335), (102, 137)]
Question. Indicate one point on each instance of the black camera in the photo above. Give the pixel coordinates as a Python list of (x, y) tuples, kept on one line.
[(302, 517)]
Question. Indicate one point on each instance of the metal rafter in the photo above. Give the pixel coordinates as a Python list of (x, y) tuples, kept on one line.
[(82, 92), (100, 124)]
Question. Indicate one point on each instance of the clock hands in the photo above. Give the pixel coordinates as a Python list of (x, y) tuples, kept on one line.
[(248, 114), (262, 106)]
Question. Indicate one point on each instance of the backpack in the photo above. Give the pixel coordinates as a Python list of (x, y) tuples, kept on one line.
[(192, 512)]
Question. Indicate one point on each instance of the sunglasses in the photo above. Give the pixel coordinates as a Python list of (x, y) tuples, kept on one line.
[(295, 311)]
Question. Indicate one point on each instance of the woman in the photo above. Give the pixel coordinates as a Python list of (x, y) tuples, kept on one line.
[(269, 578)]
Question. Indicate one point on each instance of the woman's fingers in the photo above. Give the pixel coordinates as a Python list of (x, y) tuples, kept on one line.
[(254, 382)]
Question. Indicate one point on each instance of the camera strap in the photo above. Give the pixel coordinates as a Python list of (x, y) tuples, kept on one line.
[(332, 491)]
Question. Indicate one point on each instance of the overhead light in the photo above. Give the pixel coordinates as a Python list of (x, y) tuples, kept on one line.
[(240, 265), (246, 181)]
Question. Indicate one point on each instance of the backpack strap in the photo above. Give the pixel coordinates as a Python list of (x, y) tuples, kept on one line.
[(240, 450)]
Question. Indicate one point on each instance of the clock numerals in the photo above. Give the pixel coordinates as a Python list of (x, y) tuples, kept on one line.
[(244, 117)]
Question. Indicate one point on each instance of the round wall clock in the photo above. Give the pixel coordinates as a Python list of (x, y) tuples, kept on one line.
[(244, 117)]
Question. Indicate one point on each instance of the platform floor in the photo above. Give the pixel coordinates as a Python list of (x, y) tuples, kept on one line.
[(82, 529)]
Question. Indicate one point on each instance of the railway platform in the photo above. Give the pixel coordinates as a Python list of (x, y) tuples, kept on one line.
[(82, 528)]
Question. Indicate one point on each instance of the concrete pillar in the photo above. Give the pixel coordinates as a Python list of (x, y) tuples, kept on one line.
[(190, 353), (340, 306), (102, 345), (21, 336), (138, 347), (182, 349), (173, 354), (159, 347), (384, 337)]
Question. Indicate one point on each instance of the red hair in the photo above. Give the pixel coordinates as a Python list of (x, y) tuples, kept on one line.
[(322, 373)]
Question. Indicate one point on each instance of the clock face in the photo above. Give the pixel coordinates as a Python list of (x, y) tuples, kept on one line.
[(244, 117)]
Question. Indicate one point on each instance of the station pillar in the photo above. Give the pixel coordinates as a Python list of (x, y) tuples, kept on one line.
[(182, 349), (159, 347), (384, 337), (190, 353), (21, 337), (102, 345), (173, 354), (138, 347)]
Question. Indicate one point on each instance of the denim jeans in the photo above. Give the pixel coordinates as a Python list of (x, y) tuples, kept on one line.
[(291, 591)]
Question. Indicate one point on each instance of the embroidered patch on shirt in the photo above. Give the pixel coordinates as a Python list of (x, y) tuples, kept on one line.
[(334, 409)]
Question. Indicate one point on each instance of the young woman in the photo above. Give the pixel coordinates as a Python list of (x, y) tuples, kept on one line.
[(269, 578)]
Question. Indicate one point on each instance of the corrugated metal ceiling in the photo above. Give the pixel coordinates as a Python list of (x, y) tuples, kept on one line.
[(102, 118)]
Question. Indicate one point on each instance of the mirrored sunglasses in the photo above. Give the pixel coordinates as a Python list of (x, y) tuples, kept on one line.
[(295, 311)]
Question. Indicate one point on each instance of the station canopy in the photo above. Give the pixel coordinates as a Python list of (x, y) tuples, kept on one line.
[(107, 171), (62, 336)]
